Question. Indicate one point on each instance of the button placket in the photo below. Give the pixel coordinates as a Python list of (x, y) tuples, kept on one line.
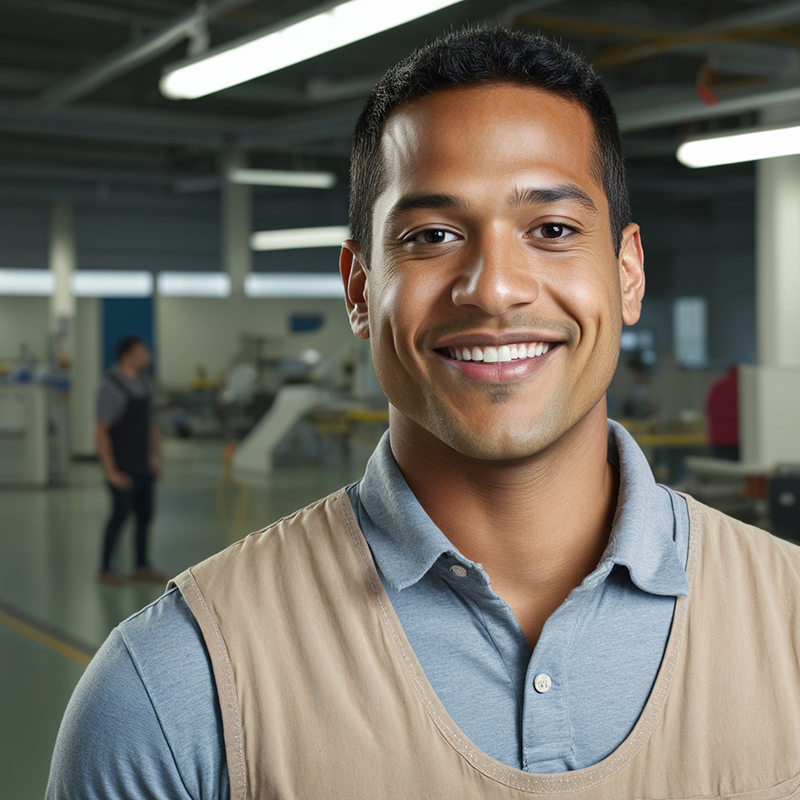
[(546, 737)]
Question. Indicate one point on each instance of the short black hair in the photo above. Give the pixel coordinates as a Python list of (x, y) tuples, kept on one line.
[(485, 56), (126, 344)]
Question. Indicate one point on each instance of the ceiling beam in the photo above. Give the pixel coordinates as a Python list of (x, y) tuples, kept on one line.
[(131, 56)]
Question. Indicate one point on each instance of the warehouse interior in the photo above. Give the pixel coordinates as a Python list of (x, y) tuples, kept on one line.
[(125, 211)]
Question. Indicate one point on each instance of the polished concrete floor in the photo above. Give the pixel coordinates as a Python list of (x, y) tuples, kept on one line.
[(54, 614)]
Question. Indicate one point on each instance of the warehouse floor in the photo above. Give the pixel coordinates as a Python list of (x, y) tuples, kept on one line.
[(54, 614)]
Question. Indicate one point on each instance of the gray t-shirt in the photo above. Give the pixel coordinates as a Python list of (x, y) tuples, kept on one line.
[(111, 400)]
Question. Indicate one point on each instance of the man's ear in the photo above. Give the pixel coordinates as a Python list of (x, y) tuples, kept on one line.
[(631, 273), (354, 276)]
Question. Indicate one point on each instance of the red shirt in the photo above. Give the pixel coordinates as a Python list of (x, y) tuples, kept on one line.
[(722, 410)]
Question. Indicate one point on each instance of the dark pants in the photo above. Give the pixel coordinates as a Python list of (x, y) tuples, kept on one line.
[(139, 499)]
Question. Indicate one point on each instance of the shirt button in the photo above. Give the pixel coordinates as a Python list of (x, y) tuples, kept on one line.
[(458, 571), (542, 683)]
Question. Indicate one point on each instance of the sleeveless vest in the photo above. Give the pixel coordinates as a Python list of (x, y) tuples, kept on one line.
[(130, 434), (323, 697)]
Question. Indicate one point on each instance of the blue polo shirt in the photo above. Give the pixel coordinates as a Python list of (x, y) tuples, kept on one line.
[(144, 720)]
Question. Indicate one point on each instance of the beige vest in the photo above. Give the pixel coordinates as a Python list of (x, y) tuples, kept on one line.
[(322, 696)]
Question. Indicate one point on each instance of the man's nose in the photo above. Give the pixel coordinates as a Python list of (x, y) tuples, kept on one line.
[(497, 274)]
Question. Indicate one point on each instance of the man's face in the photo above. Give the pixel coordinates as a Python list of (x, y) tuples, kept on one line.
[(139, 357), (494, 299)]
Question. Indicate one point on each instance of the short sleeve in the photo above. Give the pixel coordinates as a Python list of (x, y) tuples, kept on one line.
[(144, 720), (110, 403)]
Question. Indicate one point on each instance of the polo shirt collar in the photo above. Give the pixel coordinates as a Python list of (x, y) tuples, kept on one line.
[(406, 543)]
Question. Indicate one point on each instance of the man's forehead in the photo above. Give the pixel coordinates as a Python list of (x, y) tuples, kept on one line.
[(440, 118), (474, 125)]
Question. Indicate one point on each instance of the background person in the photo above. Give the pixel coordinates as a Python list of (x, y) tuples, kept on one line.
[(722, 415), (129, 449)]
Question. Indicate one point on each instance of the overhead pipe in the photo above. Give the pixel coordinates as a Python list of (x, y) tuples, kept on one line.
[(131, 56), (692, 109)]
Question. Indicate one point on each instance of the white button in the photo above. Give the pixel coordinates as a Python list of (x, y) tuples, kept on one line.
[(542, 683), (458, 571)]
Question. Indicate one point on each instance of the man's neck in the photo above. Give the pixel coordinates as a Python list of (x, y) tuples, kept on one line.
[(538, 526), (128, 370)]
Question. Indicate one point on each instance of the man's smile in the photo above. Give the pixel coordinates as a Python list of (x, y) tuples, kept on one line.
[(493, 355)]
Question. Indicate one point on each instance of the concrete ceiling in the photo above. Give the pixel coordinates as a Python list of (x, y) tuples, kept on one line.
[(80, 105)]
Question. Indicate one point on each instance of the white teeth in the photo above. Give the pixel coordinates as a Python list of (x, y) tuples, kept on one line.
[(502, 354)]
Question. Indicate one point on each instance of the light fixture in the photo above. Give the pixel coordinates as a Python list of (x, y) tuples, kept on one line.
[(27, 282), (293, 284), (331, 26), (299, 238), (283, 177), (194, 284), (754, 144), (112, 283)]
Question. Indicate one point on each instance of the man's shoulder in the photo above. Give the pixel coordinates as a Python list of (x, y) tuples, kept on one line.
[(738, 548), (297, 530)]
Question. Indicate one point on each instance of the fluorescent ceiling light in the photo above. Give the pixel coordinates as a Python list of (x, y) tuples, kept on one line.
[(27, 282), (194, 284), (296, 40), (750, 145), (117, 283), (282, 177), (293, 284), (299, 238)]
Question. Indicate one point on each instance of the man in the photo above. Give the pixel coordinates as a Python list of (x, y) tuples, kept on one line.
[(506, 605), (129, 450)]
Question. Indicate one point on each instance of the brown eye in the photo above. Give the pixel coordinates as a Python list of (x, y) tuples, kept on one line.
[(435, 236), (553, 231)]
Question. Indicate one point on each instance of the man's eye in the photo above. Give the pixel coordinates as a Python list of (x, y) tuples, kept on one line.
[(434, 236), (552, 230)]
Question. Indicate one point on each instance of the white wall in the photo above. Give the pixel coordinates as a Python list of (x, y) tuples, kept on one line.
[(201, 331), (24, 320)]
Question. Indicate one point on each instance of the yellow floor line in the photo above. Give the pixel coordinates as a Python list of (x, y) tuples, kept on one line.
[(46, 639)]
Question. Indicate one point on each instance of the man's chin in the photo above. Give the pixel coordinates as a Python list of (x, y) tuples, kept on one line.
[(500, 444)]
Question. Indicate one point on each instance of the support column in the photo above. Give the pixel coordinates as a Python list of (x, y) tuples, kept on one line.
[(769, 424), (62, 258), (237, 222)]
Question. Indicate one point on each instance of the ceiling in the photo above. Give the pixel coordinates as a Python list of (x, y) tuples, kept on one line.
[(79, 98)]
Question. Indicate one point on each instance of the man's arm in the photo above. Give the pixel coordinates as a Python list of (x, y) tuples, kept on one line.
[(144, 720), (111, 744), (105, 452)]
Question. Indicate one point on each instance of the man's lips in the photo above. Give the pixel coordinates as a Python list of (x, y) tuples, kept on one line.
[(498, 364)]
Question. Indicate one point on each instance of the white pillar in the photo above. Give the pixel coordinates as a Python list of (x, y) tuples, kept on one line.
[(62, 258), (237, 223), (85, 375), (769, 424)]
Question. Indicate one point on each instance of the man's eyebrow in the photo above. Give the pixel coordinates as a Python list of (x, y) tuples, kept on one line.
[(410, 202), (553, 194)]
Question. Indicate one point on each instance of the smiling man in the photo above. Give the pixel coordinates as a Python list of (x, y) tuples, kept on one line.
[(506, 605)]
